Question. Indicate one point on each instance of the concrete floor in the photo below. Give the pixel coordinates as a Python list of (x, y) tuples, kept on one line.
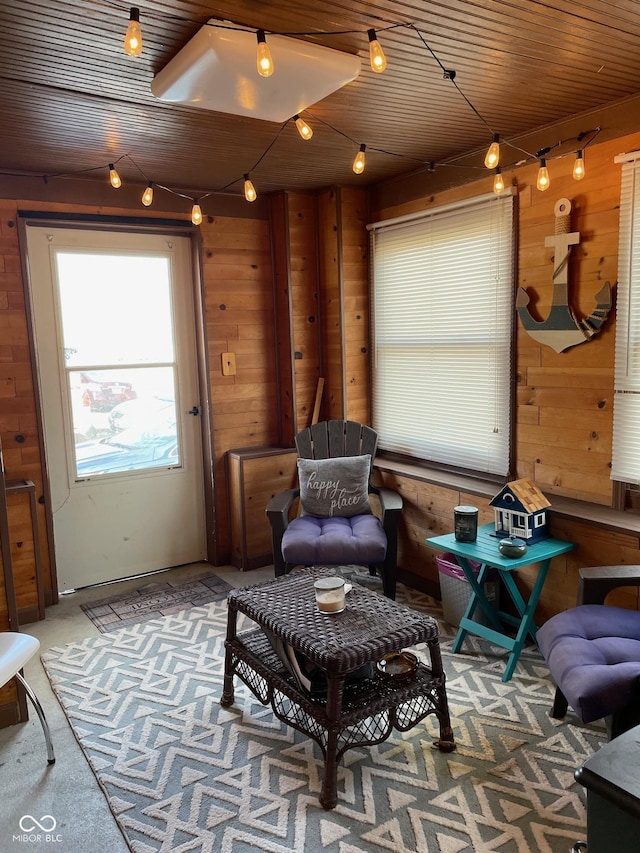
[(67, 790)]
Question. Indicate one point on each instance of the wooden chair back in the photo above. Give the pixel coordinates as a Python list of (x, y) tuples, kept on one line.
[(331, 439)]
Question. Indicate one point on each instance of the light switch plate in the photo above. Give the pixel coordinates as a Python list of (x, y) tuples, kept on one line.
[(228, 364)]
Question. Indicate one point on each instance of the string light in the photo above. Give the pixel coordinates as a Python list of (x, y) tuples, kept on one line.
[(133, 46), (147, 195), (543, 182), (114, 178), (303, 128), (358, 163), (133, 37), (196, 213), (498, 182), (264, 61), (492, 157), (376, 55), (249, 190)]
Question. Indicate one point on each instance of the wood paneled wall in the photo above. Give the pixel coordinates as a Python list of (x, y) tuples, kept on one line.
[(331, 304), (321, 261), (252, 268), (297, 283), (238, 295), (18, 421), (12, 705), (23, 558), (344, 292), (565, 400), (240, 319), (355, 303), (565, 408), (295, 238), (305, 303), (283, 321)]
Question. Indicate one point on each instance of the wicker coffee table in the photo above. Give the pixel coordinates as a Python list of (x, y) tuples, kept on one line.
[(353, 713)]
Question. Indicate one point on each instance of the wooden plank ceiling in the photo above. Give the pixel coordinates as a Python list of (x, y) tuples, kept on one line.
[(72, 100)]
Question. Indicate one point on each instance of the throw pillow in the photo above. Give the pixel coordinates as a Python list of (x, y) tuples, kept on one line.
[(335, 487)]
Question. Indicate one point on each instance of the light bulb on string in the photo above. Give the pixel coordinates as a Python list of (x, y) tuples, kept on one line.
[(133, 37), (114, 178), (147, 195), (249, 190), (492, 157), (264, 60), (303, 128), (578, 167), (498, 182), (358, 163), (376, 55), (196, 213), (543, 182)]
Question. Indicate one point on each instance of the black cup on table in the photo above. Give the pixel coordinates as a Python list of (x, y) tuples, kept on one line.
[(465, 523)]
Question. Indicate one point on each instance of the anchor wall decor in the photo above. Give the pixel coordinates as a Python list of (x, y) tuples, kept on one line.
[(562, 329)]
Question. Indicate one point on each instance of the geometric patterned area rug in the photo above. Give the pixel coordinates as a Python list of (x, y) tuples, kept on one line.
[(181, 773), (153, 600)]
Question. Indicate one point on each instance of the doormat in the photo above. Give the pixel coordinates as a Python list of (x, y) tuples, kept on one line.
[(153, 600)]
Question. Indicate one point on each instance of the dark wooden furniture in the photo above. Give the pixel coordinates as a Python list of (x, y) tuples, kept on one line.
[(27, 487), (612, 780), (13, 702), (330, 440), (354, 713), (8, 607)]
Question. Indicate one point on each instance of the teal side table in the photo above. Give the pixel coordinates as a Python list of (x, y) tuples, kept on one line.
[(485, 551)]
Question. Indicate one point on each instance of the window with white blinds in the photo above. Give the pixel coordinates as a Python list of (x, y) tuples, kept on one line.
[(443, 320), (626, 402)]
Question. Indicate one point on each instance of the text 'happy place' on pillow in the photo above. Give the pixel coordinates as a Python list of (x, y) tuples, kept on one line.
[(335, 487)]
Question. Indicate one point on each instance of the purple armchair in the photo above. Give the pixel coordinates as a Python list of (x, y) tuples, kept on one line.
[(343, 535), (593, 652)]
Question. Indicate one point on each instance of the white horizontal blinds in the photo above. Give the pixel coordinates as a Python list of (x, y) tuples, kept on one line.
[(626, 404), (442, 328)]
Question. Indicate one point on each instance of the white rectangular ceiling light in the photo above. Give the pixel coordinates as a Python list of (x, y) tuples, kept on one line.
[(216, 70)]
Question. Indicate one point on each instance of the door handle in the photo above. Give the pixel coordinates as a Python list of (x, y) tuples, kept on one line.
[(194, 411)]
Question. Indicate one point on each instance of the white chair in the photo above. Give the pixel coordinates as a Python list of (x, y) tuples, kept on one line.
[(15, 651)]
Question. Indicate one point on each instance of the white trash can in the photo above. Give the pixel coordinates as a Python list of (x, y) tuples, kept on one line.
[(456, 590)]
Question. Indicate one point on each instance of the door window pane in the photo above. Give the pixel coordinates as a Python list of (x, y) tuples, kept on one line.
[(139, 447), (115, 309), (123, 420), (118, 349)]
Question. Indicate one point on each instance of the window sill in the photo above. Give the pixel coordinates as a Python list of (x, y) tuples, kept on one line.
[(593, 514)]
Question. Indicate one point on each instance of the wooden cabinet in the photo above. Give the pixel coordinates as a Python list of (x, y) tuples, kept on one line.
[(255, 475), (25, 550), (13, 706)]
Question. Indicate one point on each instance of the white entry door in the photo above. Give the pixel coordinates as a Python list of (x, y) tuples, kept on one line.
[(116, 357)]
